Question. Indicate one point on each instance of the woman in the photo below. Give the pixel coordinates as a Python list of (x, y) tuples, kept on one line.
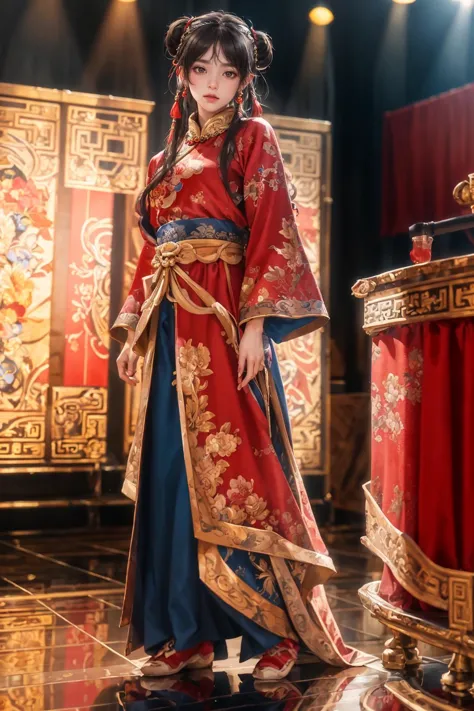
[(225, 543)]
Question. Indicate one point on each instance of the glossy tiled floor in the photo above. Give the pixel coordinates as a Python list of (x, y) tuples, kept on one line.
[(61, 646)]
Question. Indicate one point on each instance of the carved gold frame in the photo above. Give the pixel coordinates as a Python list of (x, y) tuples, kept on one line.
[(443, 588), (104, 128), (443, 289)]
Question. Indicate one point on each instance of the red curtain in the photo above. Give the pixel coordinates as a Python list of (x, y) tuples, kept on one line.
[(427, 149), (422, 442)]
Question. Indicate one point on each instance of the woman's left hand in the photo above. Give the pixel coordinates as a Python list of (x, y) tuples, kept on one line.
[(251, 355)]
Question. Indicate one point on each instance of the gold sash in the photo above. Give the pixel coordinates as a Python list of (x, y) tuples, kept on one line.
[(164, 283)]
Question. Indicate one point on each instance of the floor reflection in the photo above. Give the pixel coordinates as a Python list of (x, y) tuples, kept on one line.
[(61, 648), (206, 689)]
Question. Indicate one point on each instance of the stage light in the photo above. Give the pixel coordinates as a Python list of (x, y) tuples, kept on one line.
[(127, 0), (404, 2), (466, 3), (321, 15)]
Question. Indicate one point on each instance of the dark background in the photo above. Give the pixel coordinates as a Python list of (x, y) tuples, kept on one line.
[(375, 62)]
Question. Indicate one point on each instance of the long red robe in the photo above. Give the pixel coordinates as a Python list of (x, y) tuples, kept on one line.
[(240, 495)]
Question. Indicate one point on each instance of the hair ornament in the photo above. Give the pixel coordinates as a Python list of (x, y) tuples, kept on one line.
[(186, 31)]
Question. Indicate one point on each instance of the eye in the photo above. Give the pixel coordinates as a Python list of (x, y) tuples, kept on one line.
[(199, 69), (230, 74)]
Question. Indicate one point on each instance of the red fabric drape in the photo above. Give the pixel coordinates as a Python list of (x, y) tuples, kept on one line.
[(427, 149), (422, 443)]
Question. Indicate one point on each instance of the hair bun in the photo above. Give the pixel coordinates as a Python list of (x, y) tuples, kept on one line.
[(174, 35), (264, 50)]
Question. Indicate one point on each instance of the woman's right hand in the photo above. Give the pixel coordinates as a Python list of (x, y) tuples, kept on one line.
[(127, 362)]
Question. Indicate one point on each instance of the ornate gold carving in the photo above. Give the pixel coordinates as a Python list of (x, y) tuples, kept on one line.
[(458, 680), (29, 136), (15, 624), (400, 652), (78, 423), (63, 96), (434, 631), (442, 588), (463, 193), (363, 287), (460, 602), (22, 436), (22, 697), (105, 149), (305, 145), (415, 699), (29, 158), (23, 652), (302, 377), (423, 292), (302, 143)]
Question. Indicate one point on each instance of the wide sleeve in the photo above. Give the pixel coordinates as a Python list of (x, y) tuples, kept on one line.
[(278, 282), (129, 315)]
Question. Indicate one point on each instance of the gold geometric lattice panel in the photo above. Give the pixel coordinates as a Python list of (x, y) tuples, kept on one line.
[(33, 130), (303, 361), (78, 424), (105, 149), (301, 374), (22, 436), (302, 150)]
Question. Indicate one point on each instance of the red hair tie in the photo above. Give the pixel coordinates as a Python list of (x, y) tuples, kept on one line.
[(256, 108)]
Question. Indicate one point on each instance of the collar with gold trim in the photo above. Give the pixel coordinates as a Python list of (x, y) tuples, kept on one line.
[(213, 127)]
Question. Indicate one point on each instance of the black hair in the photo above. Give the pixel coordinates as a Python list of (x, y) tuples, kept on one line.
[(187, 40)]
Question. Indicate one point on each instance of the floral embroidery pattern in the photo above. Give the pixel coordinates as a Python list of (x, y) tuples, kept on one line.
[(248, 284), (376, 490), (198, 198), (293, 253), (265, 574), (165, 194), (241, 504), (385, 417), (376, 352), (263, 452), (284, 279), (24, 230), (272, 177), (175, 213), (397, 503), (270, 148), (297, 569)]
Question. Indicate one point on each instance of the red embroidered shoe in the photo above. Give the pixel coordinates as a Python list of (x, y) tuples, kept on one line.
[(278, 661), (168, 661)]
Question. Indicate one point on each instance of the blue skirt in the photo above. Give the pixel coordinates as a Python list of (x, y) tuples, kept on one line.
[(170, 601)]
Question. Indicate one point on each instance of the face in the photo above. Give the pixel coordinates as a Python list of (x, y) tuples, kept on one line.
[(213, 82)]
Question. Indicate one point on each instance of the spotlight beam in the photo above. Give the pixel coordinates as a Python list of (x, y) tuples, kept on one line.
[(321, 14)]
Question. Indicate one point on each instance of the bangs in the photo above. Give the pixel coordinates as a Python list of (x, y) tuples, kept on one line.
[(234, 45)]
